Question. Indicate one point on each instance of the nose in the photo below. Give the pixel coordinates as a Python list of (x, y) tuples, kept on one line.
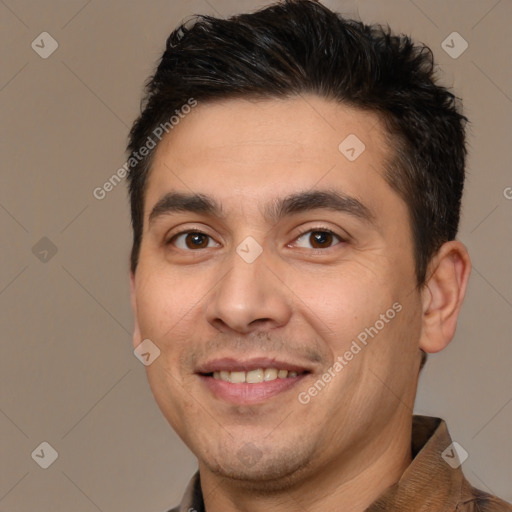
[(249, 297)]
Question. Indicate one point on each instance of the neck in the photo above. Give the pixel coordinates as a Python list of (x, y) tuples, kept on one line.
[(350, 482)]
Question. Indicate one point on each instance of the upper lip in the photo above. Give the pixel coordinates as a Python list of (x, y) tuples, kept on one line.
[(231, 364)]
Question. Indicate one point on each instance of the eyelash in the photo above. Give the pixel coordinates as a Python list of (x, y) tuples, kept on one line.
[(317, 229)]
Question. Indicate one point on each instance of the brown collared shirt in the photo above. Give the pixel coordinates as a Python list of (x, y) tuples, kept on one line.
[(431, 483)]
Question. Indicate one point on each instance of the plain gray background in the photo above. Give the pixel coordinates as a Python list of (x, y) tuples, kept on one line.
[(68, 374)]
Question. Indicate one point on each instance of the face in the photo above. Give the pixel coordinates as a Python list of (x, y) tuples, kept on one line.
[(267, 247)]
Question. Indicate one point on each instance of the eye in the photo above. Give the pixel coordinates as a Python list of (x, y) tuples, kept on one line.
[(317, 239), (191, 240)]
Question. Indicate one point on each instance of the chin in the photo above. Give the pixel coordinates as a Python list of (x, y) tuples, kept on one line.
[(250, 469)]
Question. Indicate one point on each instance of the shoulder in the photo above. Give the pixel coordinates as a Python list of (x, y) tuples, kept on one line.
[(475, 500)]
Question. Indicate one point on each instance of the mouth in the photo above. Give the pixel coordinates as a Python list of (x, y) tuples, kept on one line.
[(254, 376), (252, 381)]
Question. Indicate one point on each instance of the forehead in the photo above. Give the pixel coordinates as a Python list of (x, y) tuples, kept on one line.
[(241, 148)]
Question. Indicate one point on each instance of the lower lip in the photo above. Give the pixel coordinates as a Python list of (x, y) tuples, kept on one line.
[(250, 393)]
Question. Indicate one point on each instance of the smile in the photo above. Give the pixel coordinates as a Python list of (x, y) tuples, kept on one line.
[(250, 381), (255, 376)]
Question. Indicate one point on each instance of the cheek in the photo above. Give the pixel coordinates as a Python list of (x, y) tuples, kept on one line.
[(344, 301), (164, 301)]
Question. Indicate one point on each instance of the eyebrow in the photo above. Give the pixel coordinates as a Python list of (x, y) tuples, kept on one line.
[(175, 202)]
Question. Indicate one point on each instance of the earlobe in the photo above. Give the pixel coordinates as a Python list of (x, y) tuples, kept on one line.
[(136, 339), (443, 295)]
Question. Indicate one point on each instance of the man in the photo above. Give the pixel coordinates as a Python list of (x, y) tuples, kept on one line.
[(294, 260)]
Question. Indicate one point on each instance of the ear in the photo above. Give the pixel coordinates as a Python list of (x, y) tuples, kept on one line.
[(443, 294), (137, 338)]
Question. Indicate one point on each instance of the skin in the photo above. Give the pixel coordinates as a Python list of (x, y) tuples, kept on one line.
[(298, 301)]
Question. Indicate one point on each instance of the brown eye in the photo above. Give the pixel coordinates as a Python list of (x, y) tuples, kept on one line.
[(318, 239), (190, 240), (196, 240)]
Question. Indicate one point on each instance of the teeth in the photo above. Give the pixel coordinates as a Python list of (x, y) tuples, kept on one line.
[(254, 376), (270, 374), (237, 377)]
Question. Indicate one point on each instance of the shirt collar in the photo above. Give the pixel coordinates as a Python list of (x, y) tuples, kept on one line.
[(428, 481), (431, 482)]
